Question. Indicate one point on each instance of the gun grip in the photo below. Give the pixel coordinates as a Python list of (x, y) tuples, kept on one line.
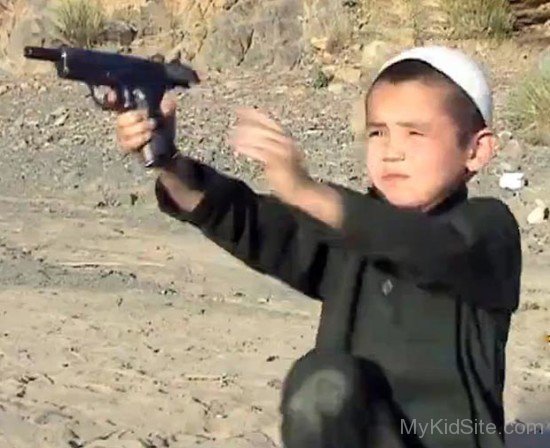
[(159, 150)]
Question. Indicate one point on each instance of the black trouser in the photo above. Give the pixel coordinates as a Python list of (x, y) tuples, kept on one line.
[(333, 400)]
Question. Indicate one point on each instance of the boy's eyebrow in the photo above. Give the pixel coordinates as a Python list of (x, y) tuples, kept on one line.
[(373, 124), (414, 124), (405, 124)]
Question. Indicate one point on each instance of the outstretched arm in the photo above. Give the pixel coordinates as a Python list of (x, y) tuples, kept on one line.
[(260, 230)]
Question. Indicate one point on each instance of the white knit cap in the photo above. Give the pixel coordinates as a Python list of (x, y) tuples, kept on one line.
[(460, 68)]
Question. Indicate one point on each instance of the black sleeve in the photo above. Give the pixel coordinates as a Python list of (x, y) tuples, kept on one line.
[(474, 250), (259, 230)]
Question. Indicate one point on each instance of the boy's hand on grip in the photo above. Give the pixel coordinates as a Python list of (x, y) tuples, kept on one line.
[(134, 128), (262, 139)]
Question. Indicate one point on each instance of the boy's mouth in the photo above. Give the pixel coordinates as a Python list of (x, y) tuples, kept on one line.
[(394, 176)]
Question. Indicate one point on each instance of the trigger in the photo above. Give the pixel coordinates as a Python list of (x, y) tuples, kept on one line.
[(100, 98)]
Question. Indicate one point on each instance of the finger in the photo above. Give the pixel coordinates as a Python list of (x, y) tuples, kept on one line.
[(128, 132), (135, 143), (134, 132), (253, 152), (131, 118), (257, 118), (274, 152), (111, 97), (266, 136), (110, 101)]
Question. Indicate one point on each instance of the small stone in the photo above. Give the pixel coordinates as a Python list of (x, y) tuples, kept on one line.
[(505, 166), (3, 89), (349, 75), (512, 181), (538, 215), (327, 58), (505, 136), (374, 52), (320, 43), (59, 111), (61, 120), (336, 88), (329, 71)]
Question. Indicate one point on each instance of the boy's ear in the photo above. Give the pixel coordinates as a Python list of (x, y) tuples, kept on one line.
[(481, 150)]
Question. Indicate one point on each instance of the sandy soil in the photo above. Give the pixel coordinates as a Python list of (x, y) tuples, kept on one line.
[(122, 328)]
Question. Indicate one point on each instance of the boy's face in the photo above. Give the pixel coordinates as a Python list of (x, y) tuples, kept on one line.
[(413, 153)]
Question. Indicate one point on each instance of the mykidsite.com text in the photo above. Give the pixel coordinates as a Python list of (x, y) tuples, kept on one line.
[(465, 426)]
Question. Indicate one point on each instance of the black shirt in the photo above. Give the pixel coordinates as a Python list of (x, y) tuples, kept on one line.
[(428, 297)]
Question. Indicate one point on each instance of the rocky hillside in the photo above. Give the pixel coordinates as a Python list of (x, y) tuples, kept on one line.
[(532, 14), (218, 34)]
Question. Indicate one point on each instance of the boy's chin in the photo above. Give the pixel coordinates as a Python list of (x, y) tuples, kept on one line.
[(407, 200)]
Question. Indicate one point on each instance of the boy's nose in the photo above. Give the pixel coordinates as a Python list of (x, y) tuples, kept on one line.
[(393, 152), (394, 157)]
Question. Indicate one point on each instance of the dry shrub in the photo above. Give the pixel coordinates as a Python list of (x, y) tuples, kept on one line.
[(529, 105), (80, 22), (478, 18)]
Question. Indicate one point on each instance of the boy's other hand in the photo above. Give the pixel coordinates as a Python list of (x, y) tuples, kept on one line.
[(262, 139), (134, 128)]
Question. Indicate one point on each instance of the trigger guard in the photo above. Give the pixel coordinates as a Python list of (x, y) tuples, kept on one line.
[(102, 103)]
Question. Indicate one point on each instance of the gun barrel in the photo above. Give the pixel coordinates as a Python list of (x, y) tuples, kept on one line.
[(44, 54)]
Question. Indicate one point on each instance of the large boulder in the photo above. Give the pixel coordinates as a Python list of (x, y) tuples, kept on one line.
[(250, 34), (22, 23)]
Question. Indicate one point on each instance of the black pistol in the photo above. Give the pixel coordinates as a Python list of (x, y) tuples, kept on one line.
[(138, 83)]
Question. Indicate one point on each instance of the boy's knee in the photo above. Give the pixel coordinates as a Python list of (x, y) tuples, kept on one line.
[(324, 392), (324, 395), (323, 386)]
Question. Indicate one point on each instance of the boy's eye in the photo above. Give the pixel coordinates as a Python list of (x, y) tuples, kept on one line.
[(375, 133), (415, 133)]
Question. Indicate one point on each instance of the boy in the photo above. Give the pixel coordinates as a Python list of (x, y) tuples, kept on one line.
[(417, 281)]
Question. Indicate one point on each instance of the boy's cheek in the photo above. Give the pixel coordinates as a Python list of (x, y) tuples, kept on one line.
[(372, 168), (372, 158)]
